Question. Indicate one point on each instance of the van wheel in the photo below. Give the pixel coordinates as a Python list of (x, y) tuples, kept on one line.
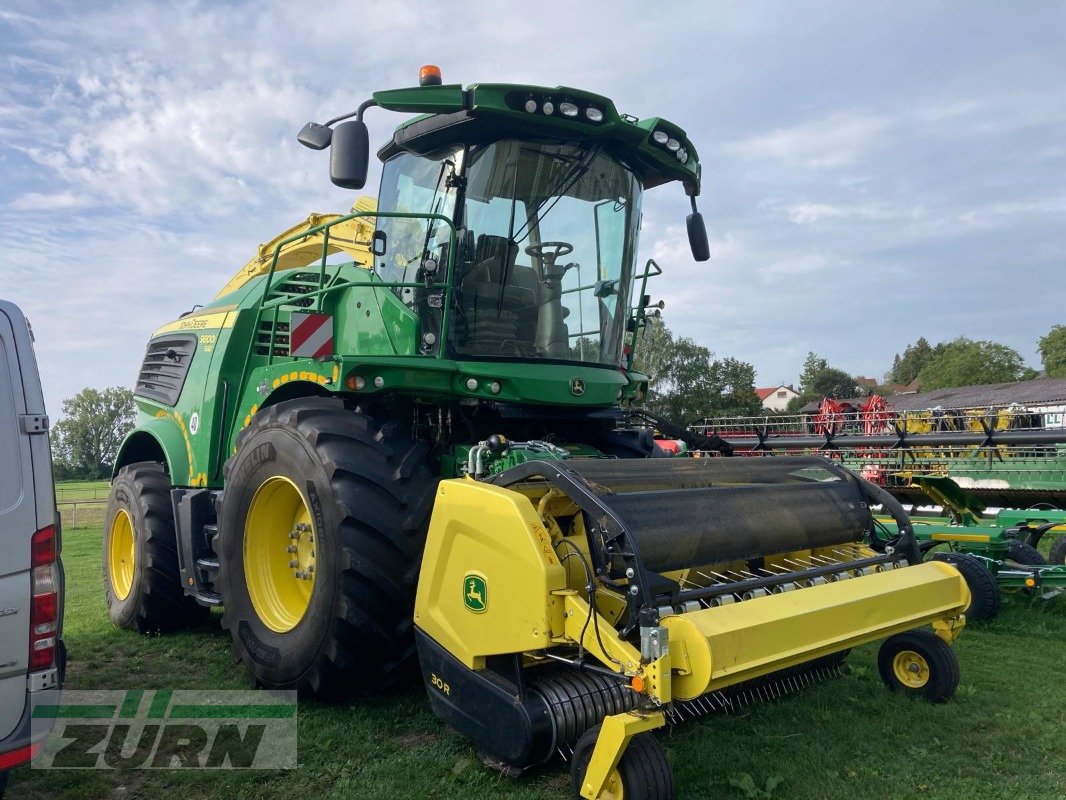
[(140, 554)]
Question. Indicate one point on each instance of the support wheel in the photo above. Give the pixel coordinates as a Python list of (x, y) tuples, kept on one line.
[(984, 593), (1024, 553), (643, 773), (142, 583), (919, 663), (1058, 551), (321, 529)]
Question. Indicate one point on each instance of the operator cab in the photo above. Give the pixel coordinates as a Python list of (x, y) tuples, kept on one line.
[(547, 237)]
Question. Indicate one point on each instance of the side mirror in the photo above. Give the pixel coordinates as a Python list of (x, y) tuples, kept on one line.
[(315, 136), (349, 156), (697, 235)]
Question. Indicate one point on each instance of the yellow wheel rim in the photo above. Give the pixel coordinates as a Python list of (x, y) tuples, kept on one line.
[(612, 790), (279, 554), (911, 669), (121, 554)]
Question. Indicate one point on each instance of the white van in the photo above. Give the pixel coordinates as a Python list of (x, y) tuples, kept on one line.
[(32, 657)]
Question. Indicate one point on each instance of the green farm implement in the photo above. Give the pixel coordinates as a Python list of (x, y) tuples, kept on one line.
[(1003, 548)]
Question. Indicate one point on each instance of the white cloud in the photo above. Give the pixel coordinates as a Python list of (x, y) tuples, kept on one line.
[(35, 201), (837, 140)]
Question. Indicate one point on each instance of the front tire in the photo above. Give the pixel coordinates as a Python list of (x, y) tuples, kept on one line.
[(643, 772), (142, 582), (351, 497), (919, 662)]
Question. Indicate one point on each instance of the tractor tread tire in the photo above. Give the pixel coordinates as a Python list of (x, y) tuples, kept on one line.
[(1024, 553), (943, 664), (156, 602), (376, 492), (984, 593), (644, 768), (1057, 554)]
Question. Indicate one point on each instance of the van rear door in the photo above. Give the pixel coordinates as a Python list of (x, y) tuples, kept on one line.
[(18, 521)]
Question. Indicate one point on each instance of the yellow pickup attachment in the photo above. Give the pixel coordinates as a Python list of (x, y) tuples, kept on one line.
[(717, 647)]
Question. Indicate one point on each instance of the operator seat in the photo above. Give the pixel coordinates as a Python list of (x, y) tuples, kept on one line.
[(492, 325)]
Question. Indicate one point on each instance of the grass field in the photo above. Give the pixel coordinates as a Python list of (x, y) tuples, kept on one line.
[(847, 739), (82, 503)]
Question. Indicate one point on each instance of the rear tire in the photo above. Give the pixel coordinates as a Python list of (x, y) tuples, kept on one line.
[(919, 662), (1058, 551), (643, 772), (145, 595), (984, 593), (1024, 553), (367, 491)]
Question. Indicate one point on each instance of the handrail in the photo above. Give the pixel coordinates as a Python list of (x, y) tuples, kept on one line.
[(265, 304), (637, 312)]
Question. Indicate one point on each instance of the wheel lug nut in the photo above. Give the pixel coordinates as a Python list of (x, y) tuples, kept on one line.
[(290, 549), (294, 563)]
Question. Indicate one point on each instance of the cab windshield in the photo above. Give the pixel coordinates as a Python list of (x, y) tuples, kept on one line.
[(547, 238)]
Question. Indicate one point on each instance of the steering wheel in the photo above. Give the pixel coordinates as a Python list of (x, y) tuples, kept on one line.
[(549, 251)]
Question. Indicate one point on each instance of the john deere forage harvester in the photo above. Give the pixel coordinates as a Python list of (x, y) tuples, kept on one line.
[(447, 374)]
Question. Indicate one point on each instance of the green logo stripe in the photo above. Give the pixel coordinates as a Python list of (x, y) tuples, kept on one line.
[(131, 703), (73, 712), (159, 704), (250, 711)]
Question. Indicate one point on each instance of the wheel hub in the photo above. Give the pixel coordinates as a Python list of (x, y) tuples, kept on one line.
[(121, 554), (911, 669), (279, 554)]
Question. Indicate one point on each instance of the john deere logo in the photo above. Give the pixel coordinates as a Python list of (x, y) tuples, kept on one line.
[(577, 387), (475, 593)]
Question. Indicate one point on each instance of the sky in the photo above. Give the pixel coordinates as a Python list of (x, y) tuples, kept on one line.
[(873, 172)]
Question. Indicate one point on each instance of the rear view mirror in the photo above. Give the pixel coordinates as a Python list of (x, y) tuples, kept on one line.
[(315, 136), (697, 236), (349, 156)]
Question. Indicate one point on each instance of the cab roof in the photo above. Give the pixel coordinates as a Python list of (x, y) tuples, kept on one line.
[(483, 112)]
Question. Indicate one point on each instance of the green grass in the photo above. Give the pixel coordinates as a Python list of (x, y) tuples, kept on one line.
[(847, 739), (82, 503), (69, 491)]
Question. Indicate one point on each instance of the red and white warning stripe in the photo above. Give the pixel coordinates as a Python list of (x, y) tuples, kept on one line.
[(310, 335)]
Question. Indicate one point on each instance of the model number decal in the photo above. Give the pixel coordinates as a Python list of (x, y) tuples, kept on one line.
[(440, 685)]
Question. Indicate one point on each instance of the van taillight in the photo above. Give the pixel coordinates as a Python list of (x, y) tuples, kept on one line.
[(44, 608)]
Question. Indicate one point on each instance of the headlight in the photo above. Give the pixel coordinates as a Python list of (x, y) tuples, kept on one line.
[(531, 105), (682, 155), (568, 109), (673, 144), (660, 137), (594, 114), (548, 107)]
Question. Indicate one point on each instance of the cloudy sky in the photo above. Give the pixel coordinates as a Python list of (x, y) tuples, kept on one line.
[(873, 171)]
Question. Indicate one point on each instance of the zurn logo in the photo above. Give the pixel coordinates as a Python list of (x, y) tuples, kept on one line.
[(167, 729)]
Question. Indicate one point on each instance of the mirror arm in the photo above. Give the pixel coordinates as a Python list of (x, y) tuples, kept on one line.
[(358, 113)]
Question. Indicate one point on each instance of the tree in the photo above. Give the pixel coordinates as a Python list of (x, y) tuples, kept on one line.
[(905, 368), (86, 441), (820, 380), (965, 362), (685, 380), (655, 350), (1053, 352)]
